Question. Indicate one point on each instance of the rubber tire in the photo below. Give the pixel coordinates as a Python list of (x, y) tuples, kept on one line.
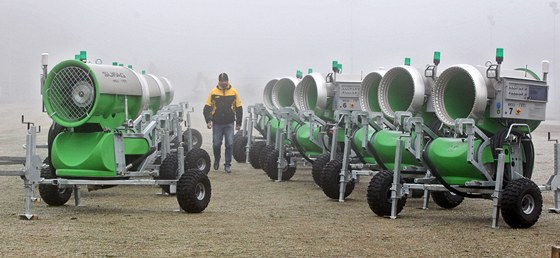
[(238, 134), (330, 180), (447, 200), (188, 191), (52, 194), (255, 154), (512, 203), (264, 154), (198, 159), (196, 137), (169, 169), (239, 145), (379, 194), (318, 166), (272, 167)]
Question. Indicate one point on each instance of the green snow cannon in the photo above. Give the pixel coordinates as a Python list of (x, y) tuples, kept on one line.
[(402, 89), (278, 96), (315, 94), (95, 100), (494, 104), (368, 103), (267, 94)]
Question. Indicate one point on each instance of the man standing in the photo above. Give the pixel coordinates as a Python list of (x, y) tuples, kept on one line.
[(223, 110)]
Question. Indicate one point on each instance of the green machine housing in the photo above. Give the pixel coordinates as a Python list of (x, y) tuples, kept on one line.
[(92, 102)]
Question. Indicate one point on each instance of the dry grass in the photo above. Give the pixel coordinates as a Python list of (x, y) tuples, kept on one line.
[(249, 215)]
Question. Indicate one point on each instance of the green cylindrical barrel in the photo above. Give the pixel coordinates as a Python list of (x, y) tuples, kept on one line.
[(357, 144), (95, 156), (384, 143), (277, 125), (306, 145), (448, 157)]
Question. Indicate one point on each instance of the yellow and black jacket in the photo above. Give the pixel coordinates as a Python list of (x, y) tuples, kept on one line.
[(223, 106)]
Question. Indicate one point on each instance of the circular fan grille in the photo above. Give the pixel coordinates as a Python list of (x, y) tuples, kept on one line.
[(71, 93)]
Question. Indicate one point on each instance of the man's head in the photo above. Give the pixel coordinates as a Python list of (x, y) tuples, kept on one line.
[(223, 80)]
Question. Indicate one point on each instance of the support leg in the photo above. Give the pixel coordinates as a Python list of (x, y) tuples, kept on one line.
[(498, 190)]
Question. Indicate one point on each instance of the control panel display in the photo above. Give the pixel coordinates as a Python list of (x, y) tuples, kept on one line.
[(520, 91), (347, 96), (520, 99)]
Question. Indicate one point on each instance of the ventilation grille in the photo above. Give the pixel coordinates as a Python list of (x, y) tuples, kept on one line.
[(71, 94)]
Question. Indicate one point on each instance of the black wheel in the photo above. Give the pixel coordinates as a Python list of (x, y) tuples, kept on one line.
[(330, 180), (318, 166), (255, 154), (264, 155), (238, 134), (173, 144), (521, 203), (239, 145), (52, 194), (198, 159), (193, 191), (169, 169), (379, 194), (447, 200), (196, 137), (271, 167)]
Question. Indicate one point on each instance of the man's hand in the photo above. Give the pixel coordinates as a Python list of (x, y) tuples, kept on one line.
[(209, 125), (237, 127)]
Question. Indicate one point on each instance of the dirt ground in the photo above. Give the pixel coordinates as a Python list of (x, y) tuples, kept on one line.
[(250, 215)]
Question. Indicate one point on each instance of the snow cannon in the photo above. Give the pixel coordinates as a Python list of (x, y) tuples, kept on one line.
[(496, 101), (267, 94), (279, 95), (97, 101), (402, 90), (77, 93), (314, 93), (492, 113), (369, 103), (465, 91)]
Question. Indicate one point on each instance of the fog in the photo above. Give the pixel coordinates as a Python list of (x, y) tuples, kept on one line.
[(191, 42)]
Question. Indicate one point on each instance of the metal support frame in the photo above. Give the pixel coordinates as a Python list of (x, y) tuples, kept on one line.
[(343, 116), (554, 181), (250, 122), (189, 130), (498, 189), (286, 114), (396, 187)]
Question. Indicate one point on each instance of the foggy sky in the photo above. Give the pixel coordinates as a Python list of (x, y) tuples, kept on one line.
[(191, 42)]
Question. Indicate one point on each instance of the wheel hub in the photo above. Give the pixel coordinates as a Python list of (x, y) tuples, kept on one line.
[(201, 164), (528, 204), (200, 191)]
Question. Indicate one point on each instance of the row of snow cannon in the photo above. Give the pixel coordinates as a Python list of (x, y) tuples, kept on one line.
[(463, 133), (115, 126)]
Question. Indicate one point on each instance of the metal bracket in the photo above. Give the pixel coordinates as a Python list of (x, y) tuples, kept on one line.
[(399, 118)]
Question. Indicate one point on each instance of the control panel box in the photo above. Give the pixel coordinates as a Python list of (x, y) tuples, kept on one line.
[(347, 96), (520, 99)]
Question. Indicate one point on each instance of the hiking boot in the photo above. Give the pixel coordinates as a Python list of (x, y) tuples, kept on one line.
[(227, 168), (216, 164)]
